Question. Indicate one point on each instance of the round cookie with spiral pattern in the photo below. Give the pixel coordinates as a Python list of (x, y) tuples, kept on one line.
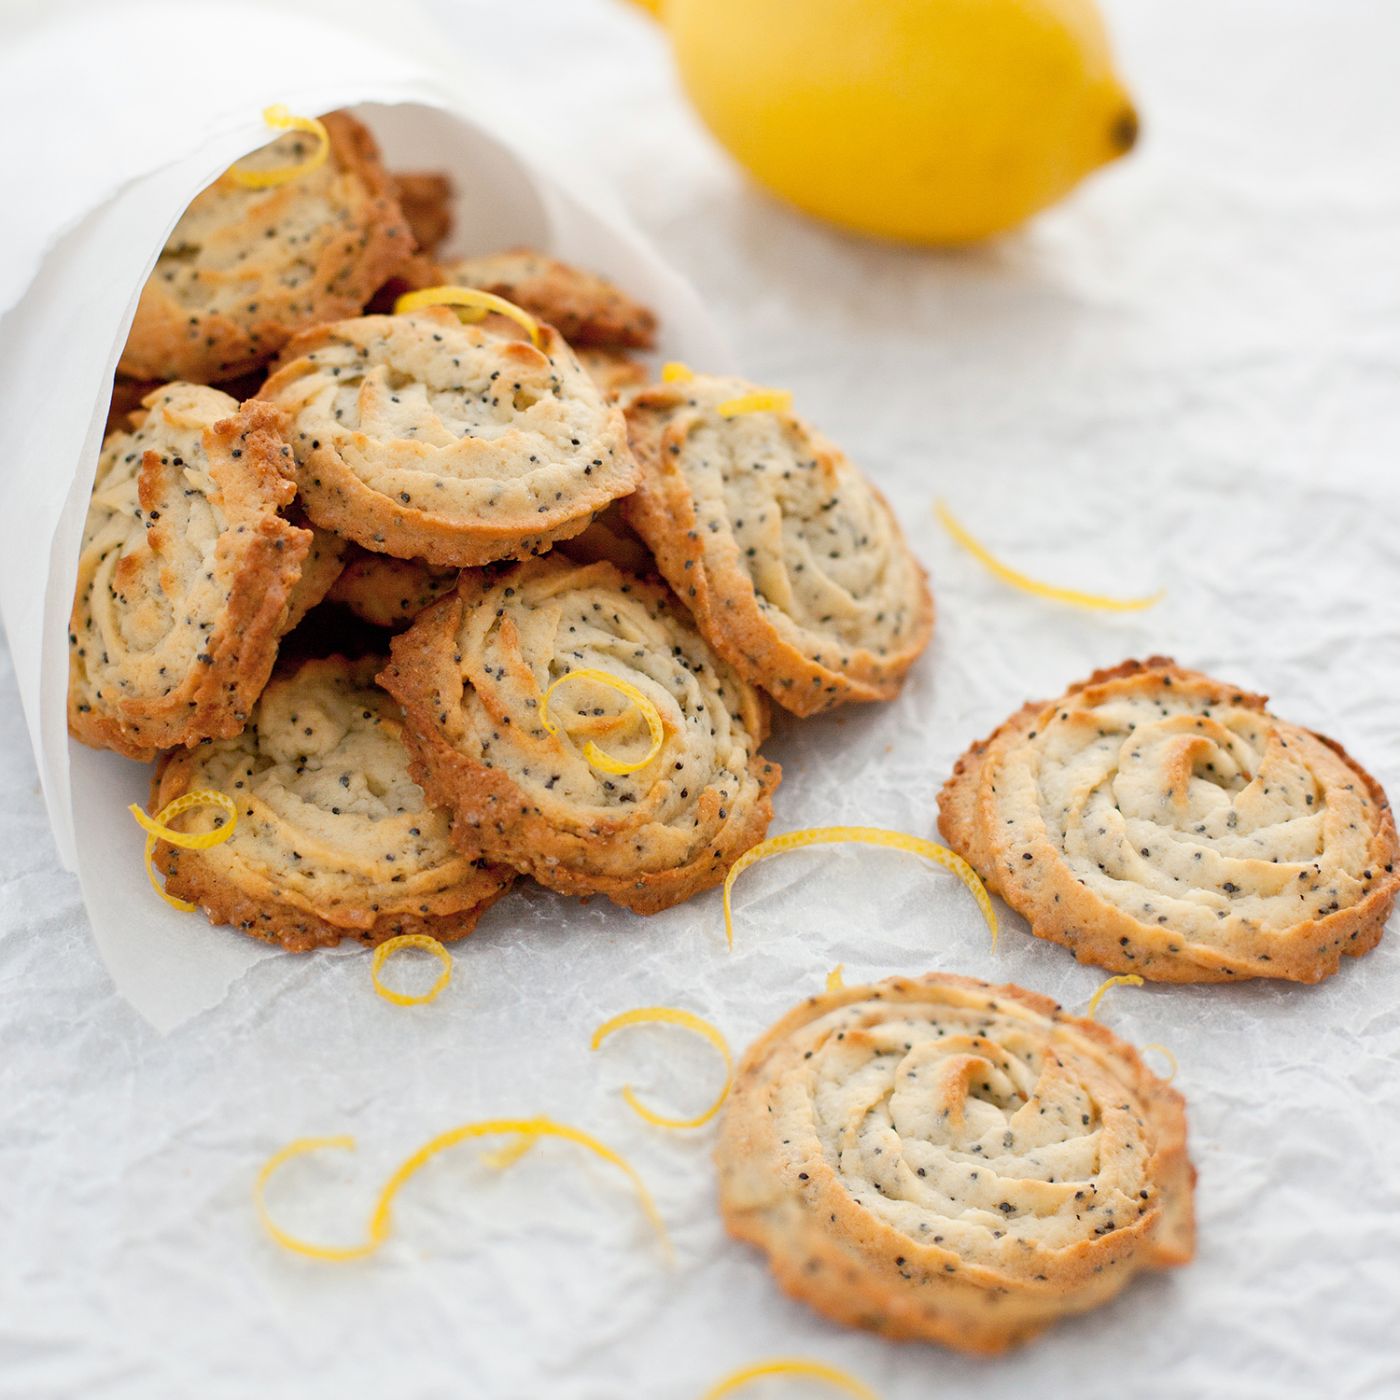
[(568, 788), (244, 269), (334, 839), (419, 436), (943, 1160), (792, 563), (188, 574), (1156, 821)]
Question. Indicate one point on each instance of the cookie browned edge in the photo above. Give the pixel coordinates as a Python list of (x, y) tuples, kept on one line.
[(725, 606), (1353, 931), (169, 341), (813, 1265), (493, 818), (214, 700), (336, 499), (189, 877)]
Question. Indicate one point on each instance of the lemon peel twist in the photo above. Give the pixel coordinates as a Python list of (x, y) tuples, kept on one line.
[(861, 835), (674, 1016), (762, 401), (835, 979), (600, 760), (1127, 979), (381, 1218), (471, 304), (674, 372), (278, 117), (791, 1366), (157, 829), (389, 947), (1170, 1057), (1026, 584)]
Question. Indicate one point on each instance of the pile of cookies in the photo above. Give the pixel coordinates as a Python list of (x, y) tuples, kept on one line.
[(423, 566), (575, 590)]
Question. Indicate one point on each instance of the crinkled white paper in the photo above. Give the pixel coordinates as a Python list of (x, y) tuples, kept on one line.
[(1187, 376)]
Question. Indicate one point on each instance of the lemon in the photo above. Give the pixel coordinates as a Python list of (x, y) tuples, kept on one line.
[(930, 121)]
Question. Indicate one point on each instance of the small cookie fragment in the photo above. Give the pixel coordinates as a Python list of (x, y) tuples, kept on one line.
[(1156, 821), (334, 839), (422, 437), (425, 197), (186, 576), (943, 1160), (245, 269), (388, 592), (584, 308), (793, 564), (471, 674), (613, 371)]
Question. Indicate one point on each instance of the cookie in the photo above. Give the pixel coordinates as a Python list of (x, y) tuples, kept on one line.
[(610, 537), (793, 564), (389, 592), (1156, 821), (186, 575), (942, 1160), (244, 269), (334, 839), (585, 309), (323, 566), (421, 437), (472, 673)]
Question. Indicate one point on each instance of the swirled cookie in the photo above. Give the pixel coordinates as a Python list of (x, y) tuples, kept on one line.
[(244, 269), (187, 573), (792, 563), (583, 308), (471, 674), (422, 437), (1153, 820), (389, 592), (334, 839), (939, 1159)]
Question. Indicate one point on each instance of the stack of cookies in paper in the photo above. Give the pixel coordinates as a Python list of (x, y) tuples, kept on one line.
[(423, 563)]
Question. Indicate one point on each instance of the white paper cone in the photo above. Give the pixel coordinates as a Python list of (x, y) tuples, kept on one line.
[(163, 99)]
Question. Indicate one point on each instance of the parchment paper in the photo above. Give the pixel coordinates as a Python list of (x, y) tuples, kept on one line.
[(1184, 377)]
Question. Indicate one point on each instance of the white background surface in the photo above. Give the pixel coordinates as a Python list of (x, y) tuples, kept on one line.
[(1189, 375)]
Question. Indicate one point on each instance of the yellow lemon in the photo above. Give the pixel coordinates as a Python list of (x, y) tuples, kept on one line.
[(931, 121)]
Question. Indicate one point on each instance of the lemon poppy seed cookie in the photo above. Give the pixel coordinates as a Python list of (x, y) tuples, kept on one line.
[(585, 309), (1156, 821), (943, 1160), (419, 436), (388, 592), (334, 839), (793, 564), (186, 576), (244, 269), (566, 787)]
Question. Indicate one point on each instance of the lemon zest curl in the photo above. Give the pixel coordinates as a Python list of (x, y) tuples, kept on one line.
[(157, 829), (862, 835), (389, 947), (278, 117), (791, 1366), (762, 401), (1026, 584), (600, 760), (1127, 979), (470, 304), (675, 1016)]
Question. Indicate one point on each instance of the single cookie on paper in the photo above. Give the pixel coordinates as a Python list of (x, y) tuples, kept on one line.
[(245, 269), (943, 1160), (388, 592), (334, 839), (1156, 821), (188, 573), (419, 436), (793, 564), (584, 308), (472, 674)]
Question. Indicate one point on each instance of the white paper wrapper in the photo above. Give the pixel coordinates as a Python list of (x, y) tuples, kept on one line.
[(169, 96)]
